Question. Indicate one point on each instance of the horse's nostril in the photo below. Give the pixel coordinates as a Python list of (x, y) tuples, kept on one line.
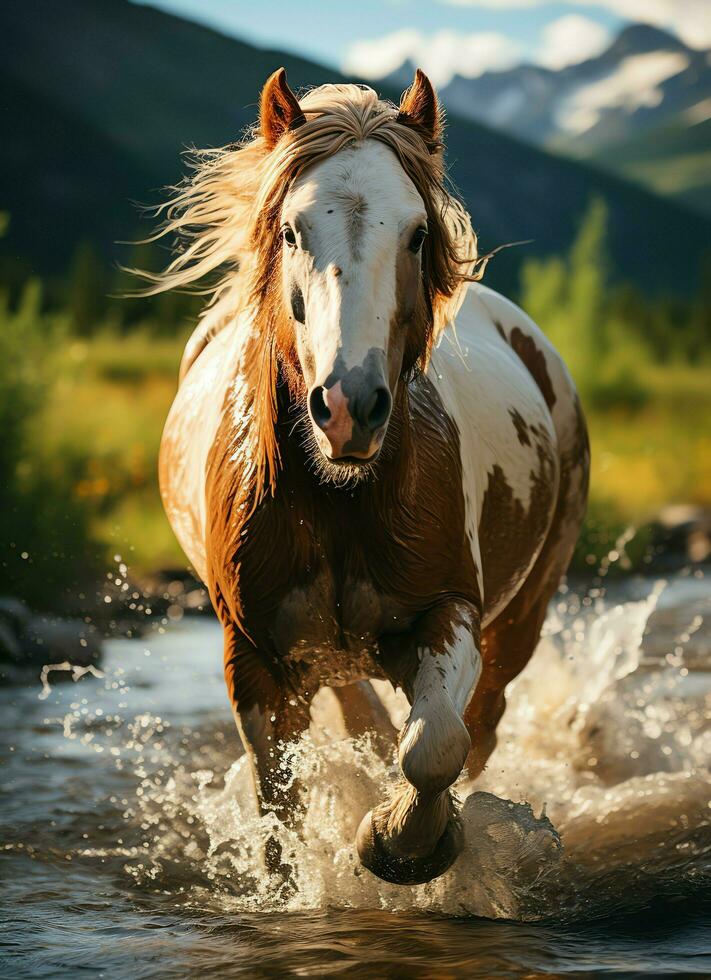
[(378, 408), (317, 405)]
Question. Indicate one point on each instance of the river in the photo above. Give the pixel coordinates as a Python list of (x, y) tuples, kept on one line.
[(130, 843)]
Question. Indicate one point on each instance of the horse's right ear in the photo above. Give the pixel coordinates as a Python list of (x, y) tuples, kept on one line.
[(279, 108)]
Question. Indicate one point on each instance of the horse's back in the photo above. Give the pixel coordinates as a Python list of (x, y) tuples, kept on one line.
[(531, 346)]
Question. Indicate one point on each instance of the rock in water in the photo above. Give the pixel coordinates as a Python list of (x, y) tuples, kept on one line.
[(29, 641)]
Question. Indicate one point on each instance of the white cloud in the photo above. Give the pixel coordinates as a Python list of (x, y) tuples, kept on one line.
[(565, 41), (440, 55), (379, 56), (690, 19), (570, 40)]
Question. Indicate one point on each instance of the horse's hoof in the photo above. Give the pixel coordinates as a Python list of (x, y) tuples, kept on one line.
[(404, 870)]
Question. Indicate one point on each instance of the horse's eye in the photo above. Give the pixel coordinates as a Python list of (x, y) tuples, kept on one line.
[(287, 233), (417, 240)]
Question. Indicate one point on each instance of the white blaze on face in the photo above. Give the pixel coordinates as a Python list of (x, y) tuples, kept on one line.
[(352, 216)]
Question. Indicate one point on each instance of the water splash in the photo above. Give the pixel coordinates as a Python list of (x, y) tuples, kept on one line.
[(76, 670), (596, 796)]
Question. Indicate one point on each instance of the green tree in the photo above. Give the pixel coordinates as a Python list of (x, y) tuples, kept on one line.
[(571, 299), (587, 284)]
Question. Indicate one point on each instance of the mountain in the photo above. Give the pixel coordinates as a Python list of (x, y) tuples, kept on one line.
[(614, 109), (98, 102), (61, 178), (671, 158), (99, 99)]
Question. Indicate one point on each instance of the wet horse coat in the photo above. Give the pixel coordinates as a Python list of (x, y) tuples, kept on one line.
[(422, 549)]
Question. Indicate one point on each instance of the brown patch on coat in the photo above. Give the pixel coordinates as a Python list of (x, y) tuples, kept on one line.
[(410, 335), (510, 536), (509, 641), (521, 427), (574, 478), (535, 361)]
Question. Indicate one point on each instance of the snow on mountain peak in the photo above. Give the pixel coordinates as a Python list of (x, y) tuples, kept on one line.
[(633, 84)]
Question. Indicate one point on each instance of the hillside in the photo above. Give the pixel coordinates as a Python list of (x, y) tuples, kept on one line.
[(63, 180), (672, 158), (99, 100), (646, 88)]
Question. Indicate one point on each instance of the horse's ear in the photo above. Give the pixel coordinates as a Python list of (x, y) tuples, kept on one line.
[(419, 108), (279, 108)]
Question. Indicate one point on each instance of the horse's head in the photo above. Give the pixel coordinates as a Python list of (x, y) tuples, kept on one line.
[(331, 230), (352, 229), (355, 257)]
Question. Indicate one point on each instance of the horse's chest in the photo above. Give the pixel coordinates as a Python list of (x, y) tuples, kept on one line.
[(326, 573), (330, 629), (319, 595)]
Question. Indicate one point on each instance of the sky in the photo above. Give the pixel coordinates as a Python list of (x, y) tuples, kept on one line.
[(370, 38)]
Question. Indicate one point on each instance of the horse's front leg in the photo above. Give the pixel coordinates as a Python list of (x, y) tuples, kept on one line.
[(415, 836), (268, 717)]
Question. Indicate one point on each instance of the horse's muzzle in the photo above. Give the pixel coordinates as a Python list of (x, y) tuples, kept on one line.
[(350, 424)]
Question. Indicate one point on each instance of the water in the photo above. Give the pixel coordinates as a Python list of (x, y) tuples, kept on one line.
[(130, 843)]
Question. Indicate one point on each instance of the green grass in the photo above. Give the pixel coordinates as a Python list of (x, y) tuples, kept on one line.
[(104, 417), (131, 357), (660, 454)]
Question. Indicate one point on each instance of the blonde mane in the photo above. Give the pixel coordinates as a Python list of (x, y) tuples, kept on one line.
[(225, 212), (225, 220)]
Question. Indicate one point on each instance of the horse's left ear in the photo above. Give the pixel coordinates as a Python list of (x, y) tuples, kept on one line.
[(419, 108), (279, 108)]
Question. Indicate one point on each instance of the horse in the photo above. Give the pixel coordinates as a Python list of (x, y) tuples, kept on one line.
[(378, 465)]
